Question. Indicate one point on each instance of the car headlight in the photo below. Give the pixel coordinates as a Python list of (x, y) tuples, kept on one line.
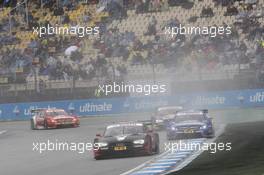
[(102, 144), (173, 128), (141, 141), (52, 120), (203, 127)]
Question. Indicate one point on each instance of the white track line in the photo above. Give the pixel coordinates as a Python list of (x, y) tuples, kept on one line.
[(149, 171), (196, 154), (161, 163), (143, 164), (2, 132), (159, 166), (183, 164), (187, 161)]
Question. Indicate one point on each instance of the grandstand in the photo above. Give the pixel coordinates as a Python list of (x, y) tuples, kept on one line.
[(131, 45)]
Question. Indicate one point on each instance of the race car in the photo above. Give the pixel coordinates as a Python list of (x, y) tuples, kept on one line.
[(52, 118), (163, 115), (124, 139), (193, 123)]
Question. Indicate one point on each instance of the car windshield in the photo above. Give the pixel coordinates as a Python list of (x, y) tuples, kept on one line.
[(121, 130), (56, 113), (181, 118)]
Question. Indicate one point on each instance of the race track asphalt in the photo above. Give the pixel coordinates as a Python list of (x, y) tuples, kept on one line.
[(18, 157)]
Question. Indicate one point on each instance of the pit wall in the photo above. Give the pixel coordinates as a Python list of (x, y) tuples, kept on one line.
[(98, 107)]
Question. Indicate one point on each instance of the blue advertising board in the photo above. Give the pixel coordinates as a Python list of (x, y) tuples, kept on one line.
[(90, 107)]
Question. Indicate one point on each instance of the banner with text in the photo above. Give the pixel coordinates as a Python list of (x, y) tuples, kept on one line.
[(91, 107)]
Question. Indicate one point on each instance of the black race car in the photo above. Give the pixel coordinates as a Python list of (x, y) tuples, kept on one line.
[(125, 139)]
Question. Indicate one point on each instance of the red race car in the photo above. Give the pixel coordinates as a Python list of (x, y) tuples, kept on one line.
[(53, 118)]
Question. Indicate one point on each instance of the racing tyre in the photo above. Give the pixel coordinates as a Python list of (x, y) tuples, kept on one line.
[(211, 136), (97, 157), (46, 125), (157, 147), (32, 125), (76, 125), (149, 146)]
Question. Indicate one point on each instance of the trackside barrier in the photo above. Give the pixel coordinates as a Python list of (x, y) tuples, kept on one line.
[(90, 107)]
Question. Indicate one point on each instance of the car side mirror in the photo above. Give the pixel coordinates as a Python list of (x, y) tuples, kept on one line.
[(98, 135)]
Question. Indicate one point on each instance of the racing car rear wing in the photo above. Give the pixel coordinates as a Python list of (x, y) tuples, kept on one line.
[(144, 121), (149, 124), (205, 111), (176, 108), (33, 111)]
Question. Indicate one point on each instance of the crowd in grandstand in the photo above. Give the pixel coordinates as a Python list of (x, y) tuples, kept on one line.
[(65, 57)]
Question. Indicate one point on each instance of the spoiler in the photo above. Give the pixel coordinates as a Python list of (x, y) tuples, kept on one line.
[(176, 108), (33, 111), (204, 111), (145, 122)]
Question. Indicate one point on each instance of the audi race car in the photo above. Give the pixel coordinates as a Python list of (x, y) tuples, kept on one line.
[(124, 139), (52, 118), (163, 115), (190, 124)]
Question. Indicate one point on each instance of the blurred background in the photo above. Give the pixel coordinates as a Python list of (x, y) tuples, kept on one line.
[(131, 47)]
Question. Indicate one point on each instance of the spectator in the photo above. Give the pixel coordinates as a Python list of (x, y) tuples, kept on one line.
[(65, 19), (231, 11), (207, 12), (58, 11), (152, 27)]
